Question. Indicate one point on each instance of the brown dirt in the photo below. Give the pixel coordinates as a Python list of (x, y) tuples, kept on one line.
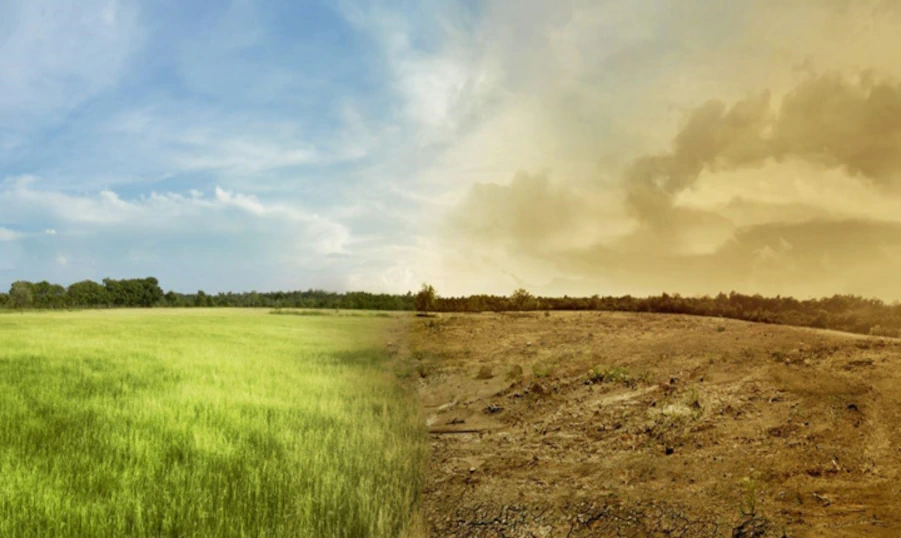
[(687, 427)]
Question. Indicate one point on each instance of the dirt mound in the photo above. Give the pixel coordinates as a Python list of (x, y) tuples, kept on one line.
[(610, 424)]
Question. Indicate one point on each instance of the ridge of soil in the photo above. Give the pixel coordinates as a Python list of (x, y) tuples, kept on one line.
[(623, 424)]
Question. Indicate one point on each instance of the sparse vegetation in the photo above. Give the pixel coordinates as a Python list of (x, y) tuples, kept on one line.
[(282, 312), (542, 369), (692, 400), (614, 375), (749, 494)]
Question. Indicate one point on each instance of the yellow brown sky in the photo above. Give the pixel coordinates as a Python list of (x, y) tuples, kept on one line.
[(690, 147)]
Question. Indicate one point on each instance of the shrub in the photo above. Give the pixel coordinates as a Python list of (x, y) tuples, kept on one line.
[(617, 374), (542, 369)]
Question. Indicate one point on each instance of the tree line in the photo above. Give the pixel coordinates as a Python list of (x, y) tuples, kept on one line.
[(147, 293), (848, 313)]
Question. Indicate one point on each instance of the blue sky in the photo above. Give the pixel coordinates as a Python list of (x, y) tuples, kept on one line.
[(224, 145), (480, 145)]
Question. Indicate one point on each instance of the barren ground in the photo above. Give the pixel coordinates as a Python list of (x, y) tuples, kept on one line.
[(687, 427)]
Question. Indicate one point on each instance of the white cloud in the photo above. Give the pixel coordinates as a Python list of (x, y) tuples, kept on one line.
[(238, 154), (174, 211), (442, 84), (104, 208), (235, 145), (8, 235), (329, 236)]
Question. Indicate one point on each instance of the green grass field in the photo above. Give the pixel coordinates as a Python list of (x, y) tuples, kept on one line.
[(190, 423)]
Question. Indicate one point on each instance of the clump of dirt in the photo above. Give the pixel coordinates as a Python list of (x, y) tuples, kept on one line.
[(485, 372), (613, 424)]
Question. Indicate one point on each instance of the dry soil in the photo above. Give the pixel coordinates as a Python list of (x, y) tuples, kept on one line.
[(610, 424)]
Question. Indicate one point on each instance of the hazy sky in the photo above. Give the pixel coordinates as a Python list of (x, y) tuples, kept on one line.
[(574, 146)]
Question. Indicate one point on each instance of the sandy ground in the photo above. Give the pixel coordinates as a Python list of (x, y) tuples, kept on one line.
[(609, 424)]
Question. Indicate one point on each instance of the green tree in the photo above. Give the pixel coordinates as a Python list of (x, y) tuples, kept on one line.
[(87, 293), (425, 299), (47, 295), (151, 294), (21, 295), (171, 298), (202, 299)]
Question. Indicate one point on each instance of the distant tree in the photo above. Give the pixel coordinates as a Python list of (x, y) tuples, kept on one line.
[(87, 293), (47, 295), (151, 293), (171, 299), (116, 292), (425, 299), (203, 300), (523, 300), (21, 295), (4, 300)]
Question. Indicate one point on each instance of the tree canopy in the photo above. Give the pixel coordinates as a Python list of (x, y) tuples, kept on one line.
[(425, 299), (21, 294)]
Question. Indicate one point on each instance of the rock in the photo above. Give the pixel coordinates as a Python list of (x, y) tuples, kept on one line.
[(670, 450)]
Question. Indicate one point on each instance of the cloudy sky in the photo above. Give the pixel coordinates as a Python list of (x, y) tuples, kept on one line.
[(575, 146)]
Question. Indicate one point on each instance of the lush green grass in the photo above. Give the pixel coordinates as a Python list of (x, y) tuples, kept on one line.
[(203, 423)]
